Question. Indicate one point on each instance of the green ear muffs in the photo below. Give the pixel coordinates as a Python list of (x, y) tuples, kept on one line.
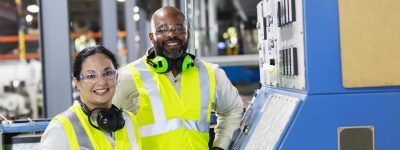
[(187, 62), (161, 64)]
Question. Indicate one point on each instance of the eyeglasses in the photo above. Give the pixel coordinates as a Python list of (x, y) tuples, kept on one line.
[(91, 77), (165, 29)]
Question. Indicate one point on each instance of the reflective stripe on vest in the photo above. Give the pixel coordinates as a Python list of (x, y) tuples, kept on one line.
[(161, 124), (130, 130), (81, 135), (155, 97), (202, 125), (161, 127)]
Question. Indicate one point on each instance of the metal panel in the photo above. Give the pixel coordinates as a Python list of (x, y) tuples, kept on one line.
[(250, 119), (24, 127), (109, 22), (130, 27), (356, 137), (56, 61), (262, 59), (322, 51), (277, 114), (316, 124), (281, 34), (281, 45)]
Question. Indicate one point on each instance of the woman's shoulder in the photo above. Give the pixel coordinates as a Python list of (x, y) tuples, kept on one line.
[(54, 133)]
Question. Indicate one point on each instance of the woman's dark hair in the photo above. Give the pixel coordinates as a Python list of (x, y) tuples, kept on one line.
[(89, 51)]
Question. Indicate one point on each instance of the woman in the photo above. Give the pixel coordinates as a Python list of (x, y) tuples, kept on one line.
[(93, 122)]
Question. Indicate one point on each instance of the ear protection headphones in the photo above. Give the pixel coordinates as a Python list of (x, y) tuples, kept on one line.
[(162, 64), (108, 119)]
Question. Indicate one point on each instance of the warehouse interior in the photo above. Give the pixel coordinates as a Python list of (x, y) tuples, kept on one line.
[(311, 74)]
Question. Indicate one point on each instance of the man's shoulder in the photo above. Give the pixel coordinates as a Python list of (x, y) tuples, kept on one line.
[(131, 63), (124, 70)]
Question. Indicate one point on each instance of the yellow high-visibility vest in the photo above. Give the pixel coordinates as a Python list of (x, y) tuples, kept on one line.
[(81, 134), (168, 120)]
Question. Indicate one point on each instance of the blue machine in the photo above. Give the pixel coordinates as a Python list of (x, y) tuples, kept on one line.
[(302, 103), (241, 74), (22, 135)]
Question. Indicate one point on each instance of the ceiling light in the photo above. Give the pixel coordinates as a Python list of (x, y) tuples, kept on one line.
[(136, 17), (137, 38), (32, 8), (135, 9), (28, 18)]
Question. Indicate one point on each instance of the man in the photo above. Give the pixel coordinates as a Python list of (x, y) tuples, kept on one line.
[(176, 92)]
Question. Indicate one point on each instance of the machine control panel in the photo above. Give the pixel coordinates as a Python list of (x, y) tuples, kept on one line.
[(281, 43), (268, 114)]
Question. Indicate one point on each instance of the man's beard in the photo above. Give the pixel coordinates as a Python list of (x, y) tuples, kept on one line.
[(173, 53)]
